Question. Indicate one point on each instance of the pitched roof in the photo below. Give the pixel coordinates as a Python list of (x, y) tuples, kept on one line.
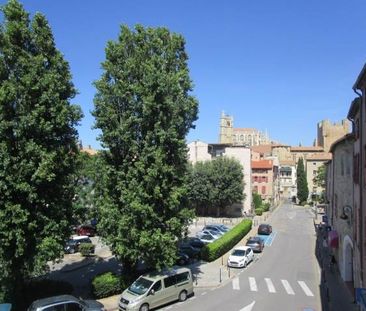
[(262, 148), (262, 164), (287, 162)]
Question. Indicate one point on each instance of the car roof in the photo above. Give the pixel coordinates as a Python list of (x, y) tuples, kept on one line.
[(264, 225), (241, 248), (79, 237), (168, 272), (51, 300)]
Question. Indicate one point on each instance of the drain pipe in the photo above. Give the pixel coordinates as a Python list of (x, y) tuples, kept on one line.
[(361, 181)]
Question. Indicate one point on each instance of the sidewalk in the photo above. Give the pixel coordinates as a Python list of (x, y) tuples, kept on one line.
[(206, 274), (335, 295)]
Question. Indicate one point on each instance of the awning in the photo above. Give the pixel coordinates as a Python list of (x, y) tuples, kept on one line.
[(333, 239)]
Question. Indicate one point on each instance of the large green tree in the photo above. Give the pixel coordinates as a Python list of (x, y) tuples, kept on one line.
[(216, 184), (37, 148), (302, 184), (144, 109), (320, 181)]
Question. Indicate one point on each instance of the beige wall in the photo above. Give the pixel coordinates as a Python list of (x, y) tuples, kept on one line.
[(198, 151)]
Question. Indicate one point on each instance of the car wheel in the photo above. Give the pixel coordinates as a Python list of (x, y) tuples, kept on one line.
[(245, 264), (182, 295), (144, 307), (181, 262), (72, 251)]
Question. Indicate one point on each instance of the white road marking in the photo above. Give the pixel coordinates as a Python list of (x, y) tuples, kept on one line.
[(253, 285), (236, 285), (270, 285), (204, 293), (248, 307), (288, 287), (273, 237), (305, 288)]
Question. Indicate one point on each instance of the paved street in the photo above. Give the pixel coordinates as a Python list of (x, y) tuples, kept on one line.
[(285, 277)]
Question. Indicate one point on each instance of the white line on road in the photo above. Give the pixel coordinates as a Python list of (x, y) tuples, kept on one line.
[(253, 285), (248, 307), (236, 285), (270, 285), (273, 237), (305, 288), (288, 287), (204, 293)]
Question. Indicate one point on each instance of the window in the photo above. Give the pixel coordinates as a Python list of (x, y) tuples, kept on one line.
[(314, 173), (263, 189), (169, 281), (60, 307), (157, 286), (356, 159), (182, 277), (73, 306), (255, 189)]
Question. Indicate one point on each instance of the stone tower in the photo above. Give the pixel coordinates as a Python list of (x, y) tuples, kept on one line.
[(329, 132), (226, 129)]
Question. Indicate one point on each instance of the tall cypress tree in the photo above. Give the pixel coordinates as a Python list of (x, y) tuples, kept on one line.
[(144, 110), (37, 148), (302, 184)]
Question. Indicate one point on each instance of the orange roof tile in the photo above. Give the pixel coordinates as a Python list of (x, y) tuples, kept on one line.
[(262, 164), (308, 149)]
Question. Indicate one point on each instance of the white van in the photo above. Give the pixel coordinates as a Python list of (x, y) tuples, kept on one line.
[(158, 288)]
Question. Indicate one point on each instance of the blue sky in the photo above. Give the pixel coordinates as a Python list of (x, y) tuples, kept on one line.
[(280, 66)]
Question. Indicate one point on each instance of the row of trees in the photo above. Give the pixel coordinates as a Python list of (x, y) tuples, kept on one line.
[(139, 190)]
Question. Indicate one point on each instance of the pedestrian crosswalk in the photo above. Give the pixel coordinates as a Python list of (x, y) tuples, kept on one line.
[(273, 286)]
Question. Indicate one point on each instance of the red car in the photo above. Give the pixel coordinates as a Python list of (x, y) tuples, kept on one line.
[(87, 230)]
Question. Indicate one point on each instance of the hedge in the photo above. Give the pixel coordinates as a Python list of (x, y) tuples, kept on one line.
[(216, 249), (258, 211), (266, 207), (106, 284)]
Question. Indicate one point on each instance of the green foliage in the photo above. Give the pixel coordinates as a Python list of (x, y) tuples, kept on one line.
[(216, 184), (107, 284), (86, 249), (214, 250), (43, 288), (257, 200), (37, 148), (144, 110), (302, 184), (258, 211), (266, 207)]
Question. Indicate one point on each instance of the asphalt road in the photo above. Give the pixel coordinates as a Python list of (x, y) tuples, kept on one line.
[(285, 277)]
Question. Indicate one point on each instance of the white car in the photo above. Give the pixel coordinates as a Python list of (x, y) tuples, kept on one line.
[(207, 238), (240, 257)]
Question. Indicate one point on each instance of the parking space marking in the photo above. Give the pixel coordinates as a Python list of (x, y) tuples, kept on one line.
[(236, 285), (204, 293), (305, 288), (288, 287), (270, 285), (253, 284)]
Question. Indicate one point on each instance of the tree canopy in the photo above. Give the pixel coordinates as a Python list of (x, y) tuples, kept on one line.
[(37, 148), (144, 109), (216, 184)]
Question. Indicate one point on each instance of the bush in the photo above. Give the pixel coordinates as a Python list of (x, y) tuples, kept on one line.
[(106, 284), (42, 288), (258, 211), (222, 245), (266, 207), (86, 249)]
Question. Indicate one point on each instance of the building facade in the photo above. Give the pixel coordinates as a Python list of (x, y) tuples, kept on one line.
[(329, 132)]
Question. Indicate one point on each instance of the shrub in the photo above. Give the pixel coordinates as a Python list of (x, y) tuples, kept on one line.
[(42, 288), (258, 211), (266, 207), (106, 284), (222, 245), (86, 249)]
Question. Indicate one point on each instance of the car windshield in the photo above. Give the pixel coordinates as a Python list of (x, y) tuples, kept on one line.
[(238, 252), (140, 286), (71, 242), (207, 237), (253, 241)]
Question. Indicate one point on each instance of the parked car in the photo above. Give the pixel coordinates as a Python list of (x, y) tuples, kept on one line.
[(65, 302), (265, 229), (183, 259), (215, 235), (188, 249), (255, 243), (194, 241), (240, 257), (72, 245), (218, 227), (207, 238), (154, 289), (87, 230)]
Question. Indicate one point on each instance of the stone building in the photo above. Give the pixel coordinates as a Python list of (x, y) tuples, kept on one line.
[(329, 132)]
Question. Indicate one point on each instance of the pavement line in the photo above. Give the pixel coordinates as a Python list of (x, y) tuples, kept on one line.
[(204, 293), (236, 285), (273, 237), (270, 285), (288, 287), (305, 288), (253, 285)]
